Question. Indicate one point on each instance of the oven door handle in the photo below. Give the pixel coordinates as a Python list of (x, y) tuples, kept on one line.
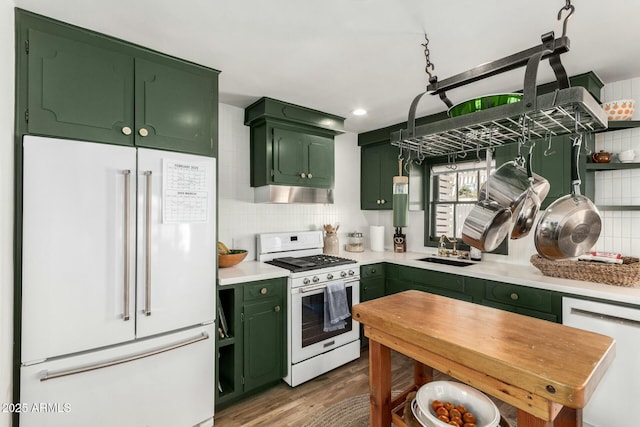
[(322, 286)]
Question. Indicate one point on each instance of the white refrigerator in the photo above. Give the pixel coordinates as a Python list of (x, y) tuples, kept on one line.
[(117, 286)]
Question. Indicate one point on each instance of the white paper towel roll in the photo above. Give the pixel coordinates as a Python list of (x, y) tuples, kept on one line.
[(377, 238)]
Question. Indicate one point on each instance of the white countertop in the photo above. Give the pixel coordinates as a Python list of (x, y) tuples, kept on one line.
[(518, 274)]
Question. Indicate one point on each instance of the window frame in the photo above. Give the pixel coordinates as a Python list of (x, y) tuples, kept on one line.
[(429, 211)]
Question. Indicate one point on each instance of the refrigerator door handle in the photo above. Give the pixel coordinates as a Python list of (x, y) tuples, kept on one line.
[(127, 242), (147, 284), (47, 375)]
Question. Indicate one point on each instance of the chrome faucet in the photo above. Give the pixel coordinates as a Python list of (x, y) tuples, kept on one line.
[(442, 249)]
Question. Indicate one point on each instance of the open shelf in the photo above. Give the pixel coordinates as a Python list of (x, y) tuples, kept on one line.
[(595, 167)]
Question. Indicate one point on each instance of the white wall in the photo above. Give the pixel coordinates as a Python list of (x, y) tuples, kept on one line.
[(6, 203)]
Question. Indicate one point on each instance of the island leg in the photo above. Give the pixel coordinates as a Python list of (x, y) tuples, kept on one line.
[(379, 384), (567, 417)]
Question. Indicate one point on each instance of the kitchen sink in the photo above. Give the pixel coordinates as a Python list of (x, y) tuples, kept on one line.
[(447, 261)]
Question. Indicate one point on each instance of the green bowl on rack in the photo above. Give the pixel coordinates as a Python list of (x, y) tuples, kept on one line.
[(483, 103)]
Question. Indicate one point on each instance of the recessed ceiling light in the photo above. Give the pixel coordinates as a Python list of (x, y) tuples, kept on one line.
[(359, 112)]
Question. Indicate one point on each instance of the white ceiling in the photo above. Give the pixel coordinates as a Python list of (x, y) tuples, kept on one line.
[(338, 55)]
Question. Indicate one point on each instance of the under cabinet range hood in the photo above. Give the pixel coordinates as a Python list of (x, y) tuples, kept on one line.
[(567, 110), (292, 194)]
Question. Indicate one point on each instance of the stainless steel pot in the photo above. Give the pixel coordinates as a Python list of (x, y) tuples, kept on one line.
[(510, 182), (571, 225), (486, 226), (489, 222), (520, 190)]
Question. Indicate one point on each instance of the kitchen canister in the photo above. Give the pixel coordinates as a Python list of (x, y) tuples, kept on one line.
[(355, 242), (377, 238), (331, 244)]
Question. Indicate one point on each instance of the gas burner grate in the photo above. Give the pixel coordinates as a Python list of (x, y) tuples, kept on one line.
[(309, 262)]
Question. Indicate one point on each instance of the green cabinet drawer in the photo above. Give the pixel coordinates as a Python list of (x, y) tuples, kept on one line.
[(264, 289), (518, 296), (372, 270), (434, 279)]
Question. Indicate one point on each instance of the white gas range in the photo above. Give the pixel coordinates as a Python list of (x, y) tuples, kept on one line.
[(311, 350)]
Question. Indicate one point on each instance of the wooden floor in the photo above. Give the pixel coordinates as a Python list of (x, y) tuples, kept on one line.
[(284, 406)]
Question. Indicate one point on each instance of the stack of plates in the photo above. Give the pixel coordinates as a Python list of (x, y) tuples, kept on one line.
[(486, 412)]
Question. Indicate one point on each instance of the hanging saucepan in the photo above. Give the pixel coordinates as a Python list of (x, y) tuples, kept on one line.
[(527, 209), (571, 225), (520, 190), (510, 182), (488, 223)]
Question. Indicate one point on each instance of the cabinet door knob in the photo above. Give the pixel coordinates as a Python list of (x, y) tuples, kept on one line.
[(309, 176), (143, 132), (263, 291), (378, 201), (276, 309), (303, 175), (382, 202), (126, 130), (514, 296), (373, 270)]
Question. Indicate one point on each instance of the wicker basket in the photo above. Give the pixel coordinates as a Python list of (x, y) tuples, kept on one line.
[(625, 274)]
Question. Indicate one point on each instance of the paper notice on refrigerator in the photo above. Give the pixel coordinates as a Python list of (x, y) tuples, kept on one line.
[(185, 194)]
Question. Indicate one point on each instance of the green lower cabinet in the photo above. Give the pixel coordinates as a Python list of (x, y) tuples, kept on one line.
[(400, 278), (532, 302), (77, 84), (372, 278), (254, 357)]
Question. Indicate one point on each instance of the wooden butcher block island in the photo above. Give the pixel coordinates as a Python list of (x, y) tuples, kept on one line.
[(546, 370)]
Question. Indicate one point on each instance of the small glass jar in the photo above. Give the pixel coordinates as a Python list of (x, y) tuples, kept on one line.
[(355, 242)]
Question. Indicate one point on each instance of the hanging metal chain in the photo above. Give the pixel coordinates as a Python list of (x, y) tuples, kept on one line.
[(568, 6), (429, 65)]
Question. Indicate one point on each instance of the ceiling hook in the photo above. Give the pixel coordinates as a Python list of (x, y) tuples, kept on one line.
[(568, 6)]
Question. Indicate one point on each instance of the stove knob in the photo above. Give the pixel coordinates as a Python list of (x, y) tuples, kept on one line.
[(306, 281), (316, 279), (343, 274), (329, 276), (351, 273)]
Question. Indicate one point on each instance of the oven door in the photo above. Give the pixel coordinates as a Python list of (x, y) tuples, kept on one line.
[(308, 338)]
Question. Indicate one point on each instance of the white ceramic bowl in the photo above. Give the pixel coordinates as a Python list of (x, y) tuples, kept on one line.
[(626, 156), (486, 412), (621, 109)]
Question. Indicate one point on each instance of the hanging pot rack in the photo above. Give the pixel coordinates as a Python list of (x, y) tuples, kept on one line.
[(567, 110)]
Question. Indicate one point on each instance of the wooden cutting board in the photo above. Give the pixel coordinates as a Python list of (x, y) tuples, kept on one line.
[(559, 363)]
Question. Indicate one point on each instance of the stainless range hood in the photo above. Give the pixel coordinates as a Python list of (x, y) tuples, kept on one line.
[(291, 194)]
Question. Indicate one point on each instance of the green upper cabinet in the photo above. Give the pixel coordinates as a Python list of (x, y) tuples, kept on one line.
[(378, 166), (302, 159), (291, 145), (77, 84), (177, 105)]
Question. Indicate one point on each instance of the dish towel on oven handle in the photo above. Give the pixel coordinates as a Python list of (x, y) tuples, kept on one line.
[(336, 306)]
